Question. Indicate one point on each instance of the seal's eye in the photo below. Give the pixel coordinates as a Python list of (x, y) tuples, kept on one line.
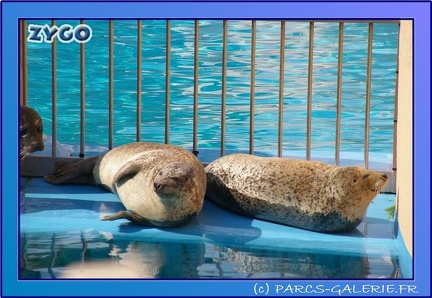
[(177, 179), (365, 176), (355, 181), (23, 132)]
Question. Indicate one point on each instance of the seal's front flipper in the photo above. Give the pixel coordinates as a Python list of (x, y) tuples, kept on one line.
[(128, 171), (80, 172), (129, 215)]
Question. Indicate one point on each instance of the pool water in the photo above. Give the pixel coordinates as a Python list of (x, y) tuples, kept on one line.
[(324, 95), (60, 232), (61, 236)]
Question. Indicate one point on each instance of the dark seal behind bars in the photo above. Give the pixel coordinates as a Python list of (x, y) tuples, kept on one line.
[(305, 194), (31, 132), (160, 185)]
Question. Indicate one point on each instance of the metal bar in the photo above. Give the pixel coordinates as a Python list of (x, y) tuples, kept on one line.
[(252, 89), (309, 96), (23, 250), (224, 71), (23, 62), (54, 256), (195, 102), (339, 93), (368, 96), (167, 80), (84, 247), (111, 85), (54, 93), (281, 88), (395, 119), (139, 79), (82, 106)]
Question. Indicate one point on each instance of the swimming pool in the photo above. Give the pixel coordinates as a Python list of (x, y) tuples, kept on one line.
[(54, 244), (238, 85)]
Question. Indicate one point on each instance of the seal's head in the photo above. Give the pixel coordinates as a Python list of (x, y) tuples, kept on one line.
[(173, 179), (358, 186), (31, 131)]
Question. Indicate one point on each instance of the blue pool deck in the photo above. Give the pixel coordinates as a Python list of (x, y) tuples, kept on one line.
[(67, 209)]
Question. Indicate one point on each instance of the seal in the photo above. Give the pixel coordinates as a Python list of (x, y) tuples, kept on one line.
[(160, 185), (31, 132), (311, 195)]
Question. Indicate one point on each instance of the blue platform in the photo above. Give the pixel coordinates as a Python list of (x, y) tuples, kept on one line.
[(71, 209)]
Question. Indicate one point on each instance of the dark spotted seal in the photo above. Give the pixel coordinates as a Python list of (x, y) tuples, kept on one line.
[(305, 194), (160, 185), (31, 131)]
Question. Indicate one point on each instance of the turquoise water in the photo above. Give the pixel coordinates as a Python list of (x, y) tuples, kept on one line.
[(238, 85)]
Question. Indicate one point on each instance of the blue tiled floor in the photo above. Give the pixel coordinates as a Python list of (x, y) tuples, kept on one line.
[(66, 209)]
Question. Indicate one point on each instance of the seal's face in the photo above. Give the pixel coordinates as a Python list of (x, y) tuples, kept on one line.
[(361, 183), (31, 131), (173, 179)]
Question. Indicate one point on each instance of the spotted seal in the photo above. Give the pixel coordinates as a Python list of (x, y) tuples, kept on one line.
[(160, 185), (31, 131), (310, 195)]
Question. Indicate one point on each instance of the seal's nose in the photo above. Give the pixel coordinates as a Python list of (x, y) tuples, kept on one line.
[(37, 146), (384, 176)]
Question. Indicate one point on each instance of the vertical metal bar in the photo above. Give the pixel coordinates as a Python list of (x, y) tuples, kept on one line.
[(339, 93), (23, 62), (167, 80), (395, 117), (224, 71), (54, 93), (252, 89), (111, 85), (309, 96), (281, 87), (82, 106), (24, 249), (54, 256), (139, 79), (195, 102), (368, 96), (84, 247)]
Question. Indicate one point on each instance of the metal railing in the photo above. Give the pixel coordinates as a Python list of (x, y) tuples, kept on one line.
[(225, 24)]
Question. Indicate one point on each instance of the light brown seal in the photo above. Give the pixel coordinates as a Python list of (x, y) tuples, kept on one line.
[(310, 195), (160, 185), (31, 131)]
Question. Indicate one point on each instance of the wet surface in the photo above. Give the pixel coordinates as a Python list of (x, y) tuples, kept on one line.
[(61, 236)]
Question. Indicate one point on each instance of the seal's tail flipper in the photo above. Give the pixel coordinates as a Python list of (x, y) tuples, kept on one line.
[(80, 172), (129, 215)]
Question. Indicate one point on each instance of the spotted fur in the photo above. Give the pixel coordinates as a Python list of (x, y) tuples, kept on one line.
[(31, 132), (306, 194)]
